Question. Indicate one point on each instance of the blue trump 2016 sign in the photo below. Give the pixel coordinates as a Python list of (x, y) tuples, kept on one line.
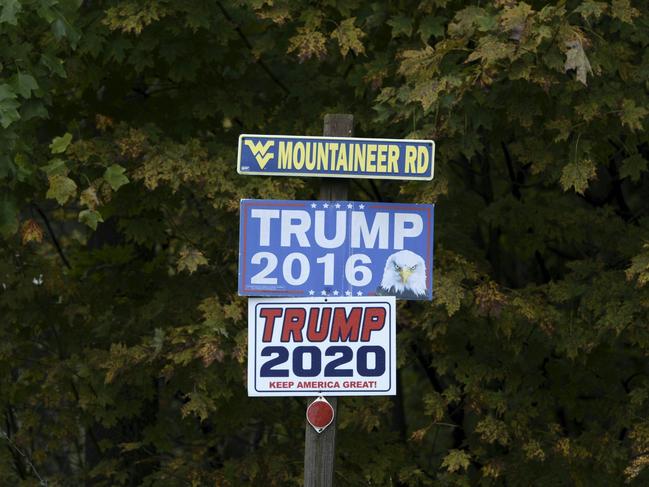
[(279, 155), (335, 248)]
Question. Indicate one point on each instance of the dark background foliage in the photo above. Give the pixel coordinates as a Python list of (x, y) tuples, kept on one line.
[(122, 338)]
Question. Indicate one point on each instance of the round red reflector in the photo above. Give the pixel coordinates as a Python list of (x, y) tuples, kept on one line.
[(320, 414)]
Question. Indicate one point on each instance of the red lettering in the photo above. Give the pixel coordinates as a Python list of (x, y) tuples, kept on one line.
[(346, 328), (321, 333), (374, 320), (270, 314), (293, 323)]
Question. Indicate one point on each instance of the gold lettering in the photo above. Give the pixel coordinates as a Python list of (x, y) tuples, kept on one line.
[(411, 157), (285, 155), (298, 155), (323, 162), (381, 157), (422, 159), (371, 157), (359, 157), (310, 156), (342, 159), (393, 157)]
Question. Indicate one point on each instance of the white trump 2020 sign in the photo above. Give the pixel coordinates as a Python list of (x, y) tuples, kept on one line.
[(321, 346)]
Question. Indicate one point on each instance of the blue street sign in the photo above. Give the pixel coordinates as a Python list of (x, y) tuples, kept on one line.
[(339, 157), (335, 248)]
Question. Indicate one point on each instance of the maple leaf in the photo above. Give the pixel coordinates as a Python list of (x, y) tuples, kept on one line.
[(489, 299), (576, 59), (633, 114), (114, 175), (622, 9), (349, 37), (449, 291), (60, 144), (90, 218), (190, 259), (31, 231), (639, 268), (633, 167), (89, 198), (10, 10), (456, 460), (577, 174), (62, 188), (308, 43)]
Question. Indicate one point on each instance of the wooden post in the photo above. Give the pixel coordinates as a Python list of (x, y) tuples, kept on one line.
[(320, 448)]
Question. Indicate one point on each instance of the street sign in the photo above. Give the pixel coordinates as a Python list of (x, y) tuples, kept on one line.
[(335, 248), (321, 346), (320, 414), (339, 157)]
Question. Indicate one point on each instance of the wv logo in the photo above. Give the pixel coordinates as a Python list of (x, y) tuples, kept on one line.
[(260, 151)]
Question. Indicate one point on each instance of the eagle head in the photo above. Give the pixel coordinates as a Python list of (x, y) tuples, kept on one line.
[(404, 271)]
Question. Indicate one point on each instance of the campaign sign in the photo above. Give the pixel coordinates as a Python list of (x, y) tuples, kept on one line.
[(339, 157), (335, 248), (322, 346)]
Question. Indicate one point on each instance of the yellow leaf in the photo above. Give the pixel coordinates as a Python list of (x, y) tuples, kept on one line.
[(31, 231), (190, 259), (349, 37)]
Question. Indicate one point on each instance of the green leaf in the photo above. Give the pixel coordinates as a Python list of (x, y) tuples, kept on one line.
[(10, 10), (190, 259), (33, 108), (90, 218), (349, 37), (456, 460), (622, 9), (60, 144), (9, 112), (8, 217), (114, 175), (632, 114), (54, 64), (633, 167), (639, 268), (591, 8), (431, 26), (61, 189), (8, 105), (449, 291), (56, 167), (401, 25), (490, 50), (577, 174), (24, 84)]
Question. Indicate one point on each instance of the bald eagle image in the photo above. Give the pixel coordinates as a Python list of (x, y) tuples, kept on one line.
[(404, 276)]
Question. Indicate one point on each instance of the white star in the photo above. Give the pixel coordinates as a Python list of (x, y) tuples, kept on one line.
[(313, 205), (348, 293), (336, 293), (337, 205), (324, 293), (350, 206), (311, 292), (361, 206), (359, 293), (326, 205)]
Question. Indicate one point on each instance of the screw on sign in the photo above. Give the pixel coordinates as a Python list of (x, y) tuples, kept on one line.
[(320, 414)]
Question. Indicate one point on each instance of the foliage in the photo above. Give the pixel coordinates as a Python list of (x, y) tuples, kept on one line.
[(122, 339)]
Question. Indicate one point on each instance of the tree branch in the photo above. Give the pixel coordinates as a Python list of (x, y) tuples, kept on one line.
[(245, 40), (53, 236)]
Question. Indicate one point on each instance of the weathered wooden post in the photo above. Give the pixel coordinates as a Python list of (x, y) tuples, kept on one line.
[(320, 448)]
